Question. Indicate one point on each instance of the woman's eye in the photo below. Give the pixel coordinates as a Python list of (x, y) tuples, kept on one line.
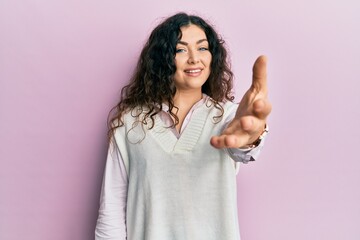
[(180, 50), (203, 49)]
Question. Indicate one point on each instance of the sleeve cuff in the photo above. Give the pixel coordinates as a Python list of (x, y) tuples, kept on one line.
[(251, 153)]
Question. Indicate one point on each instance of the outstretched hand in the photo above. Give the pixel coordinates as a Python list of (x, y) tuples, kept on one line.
[(250, 118)]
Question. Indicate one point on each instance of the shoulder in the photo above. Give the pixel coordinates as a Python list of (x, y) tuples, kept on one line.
[(133, 122), (219, 111), (129, 116), (225, 112), (226, 104), (228, 107), (229, 110), (123, 122)]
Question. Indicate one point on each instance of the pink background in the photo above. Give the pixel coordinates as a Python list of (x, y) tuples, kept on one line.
[(62, 64)]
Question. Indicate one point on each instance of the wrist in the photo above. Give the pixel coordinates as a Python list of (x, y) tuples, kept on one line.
[(258, 140)]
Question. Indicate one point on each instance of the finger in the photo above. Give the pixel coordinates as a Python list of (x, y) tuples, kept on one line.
[(218, 141), (262, 108), (259, 81), (247, 123), (228, 141), (252, 125)]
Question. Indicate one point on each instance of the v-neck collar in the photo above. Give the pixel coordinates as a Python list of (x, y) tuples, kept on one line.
[(189, 136)]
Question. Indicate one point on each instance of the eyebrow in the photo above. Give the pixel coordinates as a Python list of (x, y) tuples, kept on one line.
[(198, 42)]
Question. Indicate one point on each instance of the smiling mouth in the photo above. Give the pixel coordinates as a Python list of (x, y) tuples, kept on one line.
[(193, 71)]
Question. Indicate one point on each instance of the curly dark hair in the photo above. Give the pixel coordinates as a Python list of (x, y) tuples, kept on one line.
[(152, 83)]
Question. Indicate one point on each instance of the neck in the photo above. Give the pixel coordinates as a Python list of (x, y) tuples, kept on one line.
[(184, 102)]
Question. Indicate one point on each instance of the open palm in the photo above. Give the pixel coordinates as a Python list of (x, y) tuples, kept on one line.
[(250, 118)]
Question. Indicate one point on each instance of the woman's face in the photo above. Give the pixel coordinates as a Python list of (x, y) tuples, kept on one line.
[(192, 59)]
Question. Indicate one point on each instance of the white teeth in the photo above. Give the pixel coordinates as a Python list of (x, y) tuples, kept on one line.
[(193, 71)]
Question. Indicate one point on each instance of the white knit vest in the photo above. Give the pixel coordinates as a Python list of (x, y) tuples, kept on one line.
[(179, 189)]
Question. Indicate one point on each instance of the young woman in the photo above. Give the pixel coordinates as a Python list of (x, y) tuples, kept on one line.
[(177, 139)]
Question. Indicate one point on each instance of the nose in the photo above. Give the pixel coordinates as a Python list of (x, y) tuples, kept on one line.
[(193, 57)]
